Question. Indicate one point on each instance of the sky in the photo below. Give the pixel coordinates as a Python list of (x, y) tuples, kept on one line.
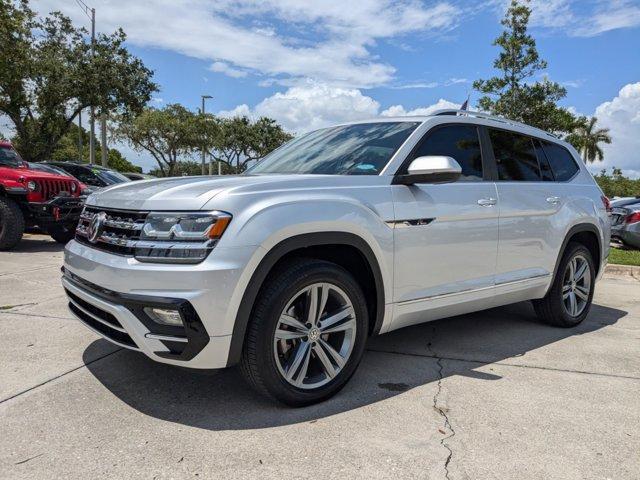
[(313, 63)]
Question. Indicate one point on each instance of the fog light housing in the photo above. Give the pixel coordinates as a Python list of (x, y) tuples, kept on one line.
[(164, 316)]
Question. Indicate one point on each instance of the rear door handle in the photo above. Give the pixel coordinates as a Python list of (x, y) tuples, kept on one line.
[(553, 200), (487, 202)]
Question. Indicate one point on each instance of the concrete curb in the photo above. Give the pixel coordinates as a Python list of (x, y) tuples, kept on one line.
[(612, 270)]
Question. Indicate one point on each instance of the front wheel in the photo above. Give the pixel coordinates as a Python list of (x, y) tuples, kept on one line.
[(569, 299), (307, 333), (11, 223)]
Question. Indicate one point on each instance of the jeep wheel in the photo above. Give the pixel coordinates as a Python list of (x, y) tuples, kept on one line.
[(62, 233), (569, 299), (307, 333), (11, 223)]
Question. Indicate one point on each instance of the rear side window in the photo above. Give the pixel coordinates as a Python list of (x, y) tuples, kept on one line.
[(460, 142), (562, 163), (515, 156), (545, 168)]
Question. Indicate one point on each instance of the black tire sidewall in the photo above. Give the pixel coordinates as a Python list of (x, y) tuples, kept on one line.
[(272, 304), (11, 223)]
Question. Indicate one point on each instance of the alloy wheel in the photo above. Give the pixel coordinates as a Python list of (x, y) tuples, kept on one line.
[(576, 285), (314, 336)]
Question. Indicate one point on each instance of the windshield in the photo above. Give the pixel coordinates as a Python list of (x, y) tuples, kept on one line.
[(48, 169), (361, 149), (110, 177), (9, 157)]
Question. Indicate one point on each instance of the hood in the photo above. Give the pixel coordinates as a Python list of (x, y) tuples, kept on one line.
[(193, 193)]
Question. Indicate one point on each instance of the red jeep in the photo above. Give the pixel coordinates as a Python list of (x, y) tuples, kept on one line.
[(35, 200)]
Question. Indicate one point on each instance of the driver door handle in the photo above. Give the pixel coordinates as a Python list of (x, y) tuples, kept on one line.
[(487, 202), (553, 200)]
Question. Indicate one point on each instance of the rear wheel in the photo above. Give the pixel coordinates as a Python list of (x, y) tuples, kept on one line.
[(62, 233), (307, 333), (11, 223), (569, 299)]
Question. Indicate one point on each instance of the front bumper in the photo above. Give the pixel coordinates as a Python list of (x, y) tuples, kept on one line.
[(122, 287), (56, 211)]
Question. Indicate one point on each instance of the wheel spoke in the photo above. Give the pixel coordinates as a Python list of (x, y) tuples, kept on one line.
[(297, 370), (336, 319), (312, 305), (324, 295), (572, 269), (573, 304), (289, 334), (327, 366), (579, 275), (337, 358), (292, 322), (582, 293)]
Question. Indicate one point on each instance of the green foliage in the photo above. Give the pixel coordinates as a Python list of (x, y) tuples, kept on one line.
[(618, 256), (511, 94), (586, 139), (617, 185), (238, 141), (168, 134), (67, 150), (48, 75)]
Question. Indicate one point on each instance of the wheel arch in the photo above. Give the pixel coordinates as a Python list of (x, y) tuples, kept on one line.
[(588, 235), (325, 245)]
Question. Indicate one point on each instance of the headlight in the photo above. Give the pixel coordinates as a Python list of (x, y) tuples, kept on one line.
[(180, 237), (73, 188), (32, 186)]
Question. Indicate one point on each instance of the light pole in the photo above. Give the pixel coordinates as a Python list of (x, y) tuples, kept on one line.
[(92, 140), (204, 97)]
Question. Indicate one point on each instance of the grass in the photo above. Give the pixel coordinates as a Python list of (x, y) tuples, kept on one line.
[(624, 257)]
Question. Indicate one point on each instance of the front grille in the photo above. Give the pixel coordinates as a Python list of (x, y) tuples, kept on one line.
[(51, 188), (101, 321), (120, 229)]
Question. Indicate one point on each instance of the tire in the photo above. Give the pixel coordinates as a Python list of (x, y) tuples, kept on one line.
[(11, 223), (267, 361), (557, 307), (62, 233)]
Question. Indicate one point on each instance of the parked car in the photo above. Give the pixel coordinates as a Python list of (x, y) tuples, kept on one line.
[(35, 200), (343, 233), (138, 176), (625, 223), (92, 175)]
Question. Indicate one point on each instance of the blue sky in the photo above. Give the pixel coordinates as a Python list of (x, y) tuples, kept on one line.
[(313, 63)]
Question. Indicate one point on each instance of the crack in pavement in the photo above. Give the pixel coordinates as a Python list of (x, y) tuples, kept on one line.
[(59, 376), (442, 411)]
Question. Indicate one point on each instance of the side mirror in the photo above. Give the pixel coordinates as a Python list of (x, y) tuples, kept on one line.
[(430, 169)]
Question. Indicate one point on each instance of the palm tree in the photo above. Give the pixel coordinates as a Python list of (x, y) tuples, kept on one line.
[(586, 139)]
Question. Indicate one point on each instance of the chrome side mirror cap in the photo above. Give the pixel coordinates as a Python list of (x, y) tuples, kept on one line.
[(430, 169)]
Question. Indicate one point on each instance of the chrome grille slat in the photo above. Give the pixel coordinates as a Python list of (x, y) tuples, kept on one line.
[(121, 229)]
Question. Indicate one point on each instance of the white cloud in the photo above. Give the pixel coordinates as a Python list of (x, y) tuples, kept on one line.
[(610, 15), (400, 111), (228, 70), (328, 40), (312, 106), (622, 116)]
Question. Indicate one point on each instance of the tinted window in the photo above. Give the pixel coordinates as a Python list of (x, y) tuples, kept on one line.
[(82, 174), (9, 157), (361, 149), (110, 177), (515, 156), (459, 142), (545, 168), (562, 163)]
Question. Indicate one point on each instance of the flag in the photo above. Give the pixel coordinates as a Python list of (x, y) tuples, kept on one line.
[(465, 105)]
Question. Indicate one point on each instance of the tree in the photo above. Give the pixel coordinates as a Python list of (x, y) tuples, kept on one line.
[(48, 75), (587, 139), (167, 134), (617, 185), (238, 141), (511, 94)]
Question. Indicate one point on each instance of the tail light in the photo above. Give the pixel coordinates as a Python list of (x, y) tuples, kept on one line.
[(633, 218), (606, 203)]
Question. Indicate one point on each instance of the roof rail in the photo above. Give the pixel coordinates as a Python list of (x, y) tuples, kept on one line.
[(485, 116)]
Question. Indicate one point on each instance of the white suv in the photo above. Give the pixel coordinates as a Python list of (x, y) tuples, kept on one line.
[(341, 234)]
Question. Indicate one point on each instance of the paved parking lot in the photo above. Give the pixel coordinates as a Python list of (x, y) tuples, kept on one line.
[(489, 395)]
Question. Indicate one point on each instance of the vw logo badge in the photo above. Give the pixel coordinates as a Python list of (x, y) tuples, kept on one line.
[(94, 230)]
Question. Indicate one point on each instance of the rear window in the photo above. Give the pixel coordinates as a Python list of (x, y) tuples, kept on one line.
[(515, 156), (562, 163)]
